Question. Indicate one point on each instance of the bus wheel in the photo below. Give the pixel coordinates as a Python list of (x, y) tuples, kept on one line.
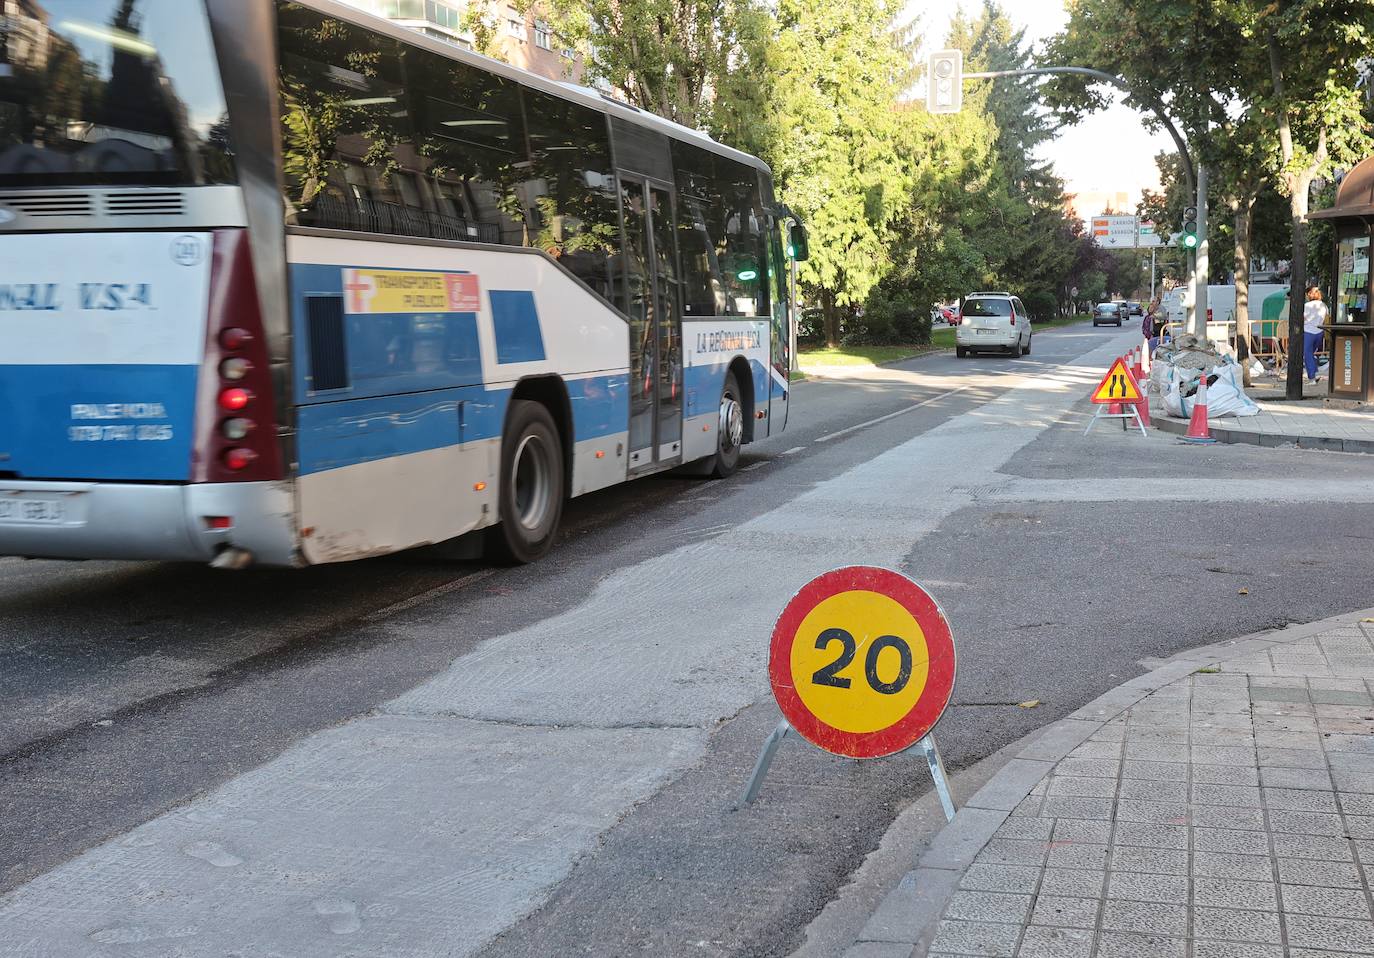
[(531, 494), (730, 435)]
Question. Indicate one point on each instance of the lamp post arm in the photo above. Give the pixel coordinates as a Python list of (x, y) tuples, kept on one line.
[(1155, 106)]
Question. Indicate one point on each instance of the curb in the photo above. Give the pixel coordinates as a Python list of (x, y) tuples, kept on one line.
[(1231, 436), (905, 922)]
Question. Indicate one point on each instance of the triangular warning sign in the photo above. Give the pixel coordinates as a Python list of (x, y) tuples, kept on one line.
[(1118, 386)]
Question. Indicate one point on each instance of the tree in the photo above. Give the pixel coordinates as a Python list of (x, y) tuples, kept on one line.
[(835, 147), (1312, 49), (682, 59)]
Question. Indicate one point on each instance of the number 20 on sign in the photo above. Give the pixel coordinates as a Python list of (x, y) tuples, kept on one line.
[(862, 662)]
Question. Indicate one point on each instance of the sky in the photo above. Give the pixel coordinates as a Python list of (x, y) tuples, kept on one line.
[(1108, 151)]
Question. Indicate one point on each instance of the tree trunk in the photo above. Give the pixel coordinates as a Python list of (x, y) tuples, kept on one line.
[(1297, 289), (1244, 208), (832, 319)]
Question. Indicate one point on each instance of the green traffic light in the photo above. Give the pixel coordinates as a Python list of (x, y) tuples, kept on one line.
[(1190, 241), (745, 275)]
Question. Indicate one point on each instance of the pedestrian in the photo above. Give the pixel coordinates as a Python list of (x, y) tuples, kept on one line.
[(1314, 335), (1151, 325)]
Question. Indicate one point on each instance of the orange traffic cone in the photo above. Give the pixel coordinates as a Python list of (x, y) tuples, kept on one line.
[(1137, 370), (1142, 408), (1197, 425)]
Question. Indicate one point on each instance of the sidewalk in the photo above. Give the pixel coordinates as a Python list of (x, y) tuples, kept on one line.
[(1221, 806), (1311, 423), (1307, 424)]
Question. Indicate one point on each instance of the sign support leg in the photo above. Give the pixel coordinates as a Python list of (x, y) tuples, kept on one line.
[(1097, 411), (937, 772), (1135, 408), (770, 748)]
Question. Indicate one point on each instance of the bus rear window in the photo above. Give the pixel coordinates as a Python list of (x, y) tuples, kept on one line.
[(110, 93)]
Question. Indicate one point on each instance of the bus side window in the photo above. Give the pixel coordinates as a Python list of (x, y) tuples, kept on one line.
[(339, 88), (722, 235), (470, 135), (571, 188)]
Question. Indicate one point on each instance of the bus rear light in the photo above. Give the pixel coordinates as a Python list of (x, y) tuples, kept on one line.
[(235, 338), (235, 368), (218, 523), (237, 429), (479, 487), (235, 399), (237, 434), (239, 459)]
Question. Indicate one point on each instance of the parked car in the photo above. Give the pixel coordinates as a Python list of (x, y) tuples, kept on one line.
[(1107, 314), (993, 321), (1136, 308), (947, 315)]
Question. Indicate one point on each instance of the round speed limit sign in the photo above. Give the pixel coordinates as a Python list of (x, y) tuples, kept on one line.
[(862, 662)]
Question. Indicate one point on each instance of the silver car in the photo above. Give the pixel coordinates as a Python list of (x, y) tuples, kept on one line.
[(993, 322)]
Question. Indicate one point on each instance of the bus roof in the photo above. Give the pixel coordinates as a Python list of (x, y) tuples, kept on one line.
[(559, 88)]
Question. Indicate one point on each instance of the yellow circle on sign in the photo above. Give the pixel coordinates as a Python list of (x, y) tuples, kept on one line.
[(843, 695)]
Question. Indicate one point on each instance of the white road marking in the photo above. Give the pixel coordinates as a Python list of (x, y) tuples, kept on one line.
[(793, 451), (755, 465), (891, 415)]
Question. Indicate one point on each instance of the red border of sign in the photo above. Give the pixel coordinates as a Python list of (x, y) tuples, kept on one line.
[(939, 680)]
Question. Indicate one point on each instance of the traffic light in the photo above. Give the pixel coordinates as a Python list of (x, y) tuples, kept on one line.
[(1189, 237), (946, 82), (798, 243)]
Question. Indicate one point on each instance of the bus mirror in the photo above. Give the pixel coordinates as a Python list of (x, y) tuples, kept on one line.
[(798, 247)]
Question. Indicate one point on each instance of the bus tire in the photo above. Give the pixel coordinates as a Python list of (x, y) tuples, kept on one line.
[(530, 498), (730, 431)]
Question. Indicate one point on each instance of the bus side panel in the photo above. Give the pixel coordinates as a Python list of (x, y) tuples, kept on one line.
[(709, 346), (407, 358)]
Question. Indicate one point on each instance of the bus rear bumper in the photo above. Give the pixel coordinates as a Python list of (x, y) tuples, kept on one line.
[(188, 523)]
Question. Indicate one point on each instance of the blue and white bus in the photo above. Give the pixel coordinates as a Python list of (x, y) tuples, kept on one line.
[(282, 283)]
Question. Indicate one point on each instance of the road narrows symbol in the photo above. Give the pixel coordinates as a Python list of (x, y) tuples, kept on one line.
[(1118, 386)]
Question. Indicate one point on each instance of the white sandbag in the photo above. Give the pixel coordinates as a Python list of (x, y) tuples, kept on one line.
[(1225, 394)]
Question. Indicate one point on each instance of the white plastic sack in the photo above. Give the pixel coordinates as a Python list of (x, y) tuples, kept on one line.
[(1225, 396), (1171, 389)]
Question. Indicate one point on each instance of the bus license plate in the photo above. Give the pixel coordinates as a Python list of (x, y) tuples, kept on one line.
[(37, 510)]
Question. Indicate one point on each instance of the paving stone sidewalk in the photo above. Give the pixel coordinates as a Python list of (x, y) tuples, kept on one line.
[(1311, 424), (1221, 806)]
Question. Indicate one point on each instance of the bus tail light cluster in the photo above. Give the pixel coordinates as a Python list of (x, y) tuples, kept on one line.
[(236, 424)]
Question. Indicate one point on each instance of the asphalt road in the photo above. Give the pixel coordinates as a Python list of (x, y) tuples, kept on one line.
[(133, 688)]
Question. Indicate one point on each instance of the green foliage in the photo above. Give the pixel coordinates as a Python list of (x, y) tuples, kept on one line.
[(1092, 286), (891, 315), (692, 61), (1041, 304), (838, 69)]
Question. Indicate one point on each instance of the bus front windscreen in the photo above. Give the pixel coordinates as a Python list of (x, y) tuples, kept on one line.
[(110, 93)]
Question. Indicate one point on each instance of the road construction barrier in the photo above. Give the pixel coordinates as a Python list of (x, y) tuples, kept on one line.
[(1118, 390), (862, 665)]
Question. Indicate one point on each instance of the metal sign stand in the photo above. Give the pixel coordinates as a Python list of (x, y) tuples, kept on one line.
[(1123, 416), (926, 745)]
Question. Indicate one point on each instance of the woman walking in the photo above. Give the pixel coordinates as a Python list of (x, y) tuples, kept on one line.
[(1314, 336)]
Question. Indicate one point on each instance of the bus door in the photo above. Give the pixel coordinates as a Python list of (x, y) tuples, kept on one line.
[(653, 303)]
